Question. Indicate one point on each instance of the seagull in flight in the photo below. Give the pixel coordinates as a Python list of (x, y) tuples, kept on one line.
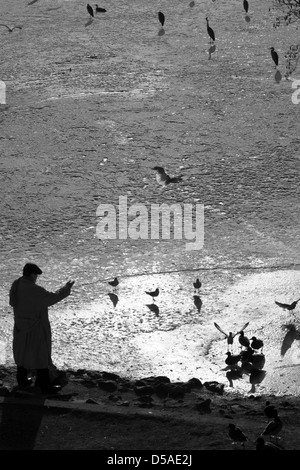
[(290, 307), (230, 335), (163, 178), (11, 29)]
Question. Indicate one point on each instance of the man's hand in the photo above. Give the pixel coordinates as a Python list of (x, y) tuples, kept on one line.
[(69, 284)]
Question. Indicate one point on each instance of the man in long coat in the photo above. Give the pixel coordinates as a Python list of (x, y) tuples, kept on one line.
[(32, 330)]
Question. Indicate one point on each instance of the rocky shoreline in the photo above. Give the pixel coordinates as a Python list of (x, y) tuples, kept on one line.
[(190, 415)]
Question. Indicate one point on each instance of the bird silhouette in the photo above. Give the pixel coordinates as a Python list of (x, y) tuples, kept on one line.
[(274, 56), (257, 360), (247, 354), (204, 406), (11, 29), (246, 6), (197, 303), (274, 427), (246, 366), (256, 377), (154, 293), (192, 4), (270, 410), (90, 10), (210, 31), (234, 374), (114, 298), (230, 335), (114, 283), (236, 434), (99, 9), (197, 284), (232, 359), (289, 307), (243, 340), (154, 308), (161, 18), (262, 445), (164, 179), (256, 343)]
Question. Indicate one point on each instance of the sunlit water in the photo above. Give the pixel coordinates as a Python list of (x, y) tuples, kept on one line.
[(92, 108)]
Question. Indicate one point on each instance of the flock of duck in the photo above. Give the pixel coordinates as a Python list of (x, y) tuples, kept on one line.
[(153, 294), (272, 430), (250, 360)]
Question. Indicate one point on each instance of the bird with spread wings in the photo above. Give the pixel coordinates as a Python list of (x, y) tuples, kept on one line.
[(229, 336)]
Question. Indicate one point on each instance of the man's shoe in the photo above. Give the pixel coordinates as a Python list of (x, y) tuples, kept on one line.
[(51, 389), (25, 383)]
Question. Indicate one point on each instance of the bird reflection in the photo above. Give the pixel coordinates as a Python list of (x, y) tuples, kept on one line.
[(161, 32), (114, 298), (291, 335), (89, 22), (211, 50), (278, 76), (256, 377), (197, 303), (154, 308), (234, 374)]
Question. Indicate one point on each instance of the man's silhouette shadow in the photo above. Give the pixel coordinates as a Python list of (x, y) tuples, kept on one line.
[(20, 422)]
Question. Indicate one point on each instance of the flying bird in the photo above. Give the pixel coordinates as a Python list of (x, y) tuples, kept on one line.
[(164, 179), (197, 303), (197, 284), (262, 445), (161, 18), (114, 283), (246, 6), (230, 335), (274, 56), (90, 10), (114, 299), (210, 31), (289, 307), (99, 9), (236, 434), (11, 29), (256, 343), (154, 293)]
